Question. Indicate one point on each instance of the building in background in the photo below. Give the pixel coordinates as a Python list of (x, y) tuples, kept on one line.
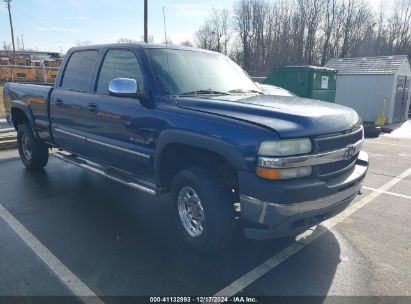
[(32, 56), (364, 83)]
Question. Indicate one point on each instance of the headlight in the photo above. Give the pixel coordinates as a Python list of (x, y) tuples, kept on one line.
[(285, 147), (274, 174)]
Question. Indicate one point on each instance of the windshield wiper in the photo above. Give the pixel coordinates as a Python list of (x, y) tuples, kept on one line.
[(203, 92), (239, 91)]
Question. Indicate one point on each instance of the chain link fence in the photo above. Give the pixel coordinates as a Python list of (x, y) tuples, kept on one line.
[(2, 110), (25, 72), (28, 74)]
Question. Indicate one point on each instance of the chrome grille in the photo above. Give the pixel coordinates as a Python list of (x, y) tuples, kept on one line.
[(334, 143), (338, 142), (336, 167)]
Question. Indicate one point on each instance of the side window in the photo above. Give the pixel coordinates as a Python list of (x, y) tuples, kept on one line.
[(79, 71), (119, 64)]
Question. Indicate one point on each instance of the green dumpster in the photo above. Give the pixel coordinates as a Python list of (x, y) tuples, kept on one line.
[(305, 81)]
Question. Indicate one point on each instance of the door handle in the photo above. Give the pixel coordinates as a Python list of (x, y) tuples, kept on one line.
[(59, 101), (93, 108)]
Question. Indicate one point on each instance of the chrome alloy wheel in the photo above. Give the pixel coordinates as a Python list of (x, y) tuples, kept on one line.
[(191, 211), (26, 146)]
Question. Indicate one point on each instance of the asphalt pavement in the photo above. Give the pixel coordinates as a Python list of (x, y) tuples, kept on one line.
[(65, 232)]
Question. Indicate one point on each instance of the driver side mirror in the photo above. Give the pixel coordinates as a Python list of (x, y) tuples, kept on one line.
[(125, 87)]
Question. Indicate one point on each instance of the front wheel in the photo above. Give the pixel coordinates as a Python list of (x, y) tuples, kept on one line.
[(204, 209), (33, 153)]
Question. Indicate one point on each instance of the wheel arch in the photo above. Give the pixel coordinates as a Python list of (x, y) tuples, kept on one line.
[(20, 112), (178, 144)]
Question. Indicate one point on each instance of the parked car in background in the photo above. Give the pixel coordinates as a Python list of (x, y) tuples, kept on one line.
[(274, 90), (167, 119)]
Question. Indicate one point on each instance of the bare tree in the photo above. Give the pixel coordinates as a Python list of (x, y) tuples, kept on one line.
[(356, 17), (214, 34), (168, 41), (204, 37), (265, 33), (218, 22), (82, 42), (400, 26), (329, 24), (187, 42), (18, 44), (126, 40), (243, 25), (7, 46), (311, 14)]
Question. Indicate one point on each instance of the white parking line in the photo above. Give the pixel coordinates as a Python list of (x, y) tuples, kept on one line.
[(387, 192), (277, 259), (387, 144), (85, 294)]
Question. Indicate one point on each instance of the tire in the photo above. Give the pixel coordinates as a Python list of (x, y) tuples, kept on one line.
[(33, 153), (372, 132), (216, 200)]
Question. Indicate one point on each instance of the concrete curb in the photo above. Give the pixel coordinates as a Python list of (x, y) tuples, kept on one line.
[(8, 144), (6, 130), (8, 140), (5, 127)]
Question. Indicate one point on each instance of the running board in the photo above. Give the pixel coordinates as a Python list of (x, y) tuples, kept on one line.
[(122, 178)]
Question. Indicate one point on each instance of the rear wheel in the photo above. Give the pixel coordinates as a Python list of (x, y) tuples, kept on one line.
[(204, 209), (33, 153)]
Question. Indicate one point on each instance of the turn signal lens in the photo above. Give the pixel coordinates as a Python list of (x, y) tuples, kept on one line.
[(274, 174), (268, 173)]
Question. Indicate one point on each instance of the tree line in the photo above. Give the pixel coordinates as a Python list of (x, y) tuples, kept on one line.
[(262, 34)]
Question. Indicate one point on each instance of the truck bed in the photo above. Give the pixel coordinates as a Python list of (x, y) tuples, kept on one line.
[(33, 100)]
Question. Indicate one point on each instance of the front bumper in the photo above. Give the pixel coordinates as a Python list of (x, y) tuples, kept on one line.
[(296, 205)]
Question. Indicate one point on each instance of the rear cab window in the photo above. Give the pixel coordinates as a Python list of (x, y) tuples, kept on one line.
[(78, 74)]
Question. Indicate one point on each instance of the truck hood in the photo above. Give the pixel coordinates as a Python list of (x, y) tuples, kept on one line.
[(288, 116)]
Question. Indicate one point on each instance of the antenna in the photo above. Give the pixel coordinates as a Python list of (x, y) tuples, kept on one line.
[(145, 21), (165, 26), (165, 36)]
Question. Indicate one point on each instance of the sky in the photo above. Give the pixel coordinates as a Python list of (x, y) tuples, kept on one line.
[(57, 25)]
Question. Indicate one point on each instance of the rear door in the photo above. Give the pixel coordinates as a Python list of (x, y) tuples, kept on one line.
[(401, 99), (69, 104), (121, 131)]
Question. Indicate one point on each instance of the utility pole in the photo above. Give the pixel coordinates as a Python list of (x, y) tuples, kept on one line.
[(11, 27), (145, 22)]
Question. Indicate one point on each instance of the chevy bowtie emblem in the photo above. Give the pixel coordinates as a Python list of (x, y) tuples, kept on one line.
[(349, 152)]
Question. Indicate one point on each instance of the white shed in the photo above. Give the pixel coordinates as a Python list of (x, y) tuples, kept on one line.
[(363, 83)]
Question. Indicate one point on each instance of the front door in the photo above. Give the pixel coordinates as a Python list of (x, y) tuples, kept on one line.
[(121, 130), (401, 99)]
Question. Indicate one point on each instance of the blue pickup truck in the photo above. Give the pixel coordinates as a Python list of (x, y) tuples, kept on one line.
[(190, 122)]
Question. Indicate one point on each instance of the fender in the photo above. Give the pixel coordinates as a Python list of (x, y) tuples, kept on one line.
[(226, 150), (17, 104)]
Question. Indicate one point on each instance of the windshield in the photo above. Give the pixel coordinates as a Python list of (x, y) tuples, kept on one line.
[(182, 72)]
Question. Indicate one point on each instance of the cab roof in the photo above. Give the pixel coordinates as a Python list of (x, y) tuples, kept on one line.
[(141, 45)]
